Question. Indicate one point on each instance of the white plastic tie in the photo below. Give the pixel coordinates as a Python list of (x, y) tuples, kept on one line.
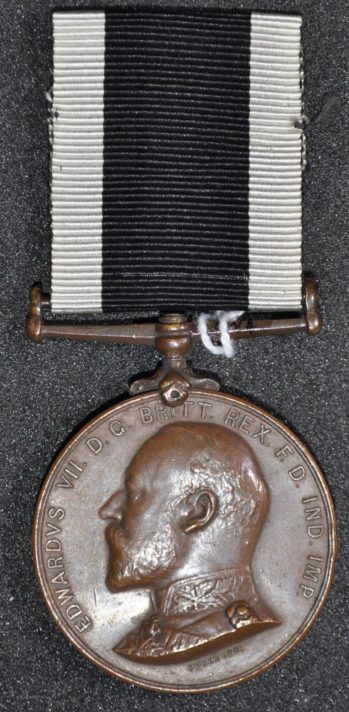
[(224, 318)]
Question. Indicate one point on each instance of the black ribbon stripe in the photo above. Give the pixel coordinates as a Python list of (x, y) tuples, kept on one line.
[(176, 136)]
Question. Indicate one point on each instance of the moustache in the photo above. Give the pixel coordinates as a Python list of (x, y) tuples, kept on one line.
[(119, 557), (115, 535)]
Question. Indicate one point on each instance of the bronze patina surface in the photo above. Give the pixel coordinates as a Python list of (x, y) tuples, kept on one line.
[(184, 548)]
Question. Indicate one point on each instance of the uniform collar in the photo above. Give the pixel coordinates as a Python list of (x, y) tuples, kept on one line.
[(207, 592)]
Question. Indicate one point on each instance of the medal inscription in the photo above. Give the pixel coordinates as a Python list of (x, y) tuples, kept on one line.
[(63, 593), (312, 572)]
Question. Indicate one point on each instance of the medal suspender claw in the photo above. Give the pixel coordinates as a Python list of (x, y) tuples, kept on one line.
[(160, 530)]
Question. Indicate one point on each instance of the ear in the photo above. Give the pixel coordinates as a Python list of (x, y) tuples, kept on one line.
[(202, 507)]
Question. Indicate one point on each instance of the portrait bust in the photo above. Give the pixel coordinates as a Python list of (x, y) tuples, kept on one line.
[(184, 526)]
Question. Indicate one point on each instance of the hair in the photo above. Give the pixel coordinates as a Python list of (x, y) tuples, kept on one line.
[(208, 456)]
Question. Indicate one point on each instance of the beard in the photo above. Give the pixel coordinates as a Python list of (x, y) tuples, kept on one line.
[(138, 563)]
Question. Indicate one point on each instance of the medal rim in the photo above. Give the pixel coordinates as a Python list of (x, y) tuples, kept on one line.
[(88, 652)]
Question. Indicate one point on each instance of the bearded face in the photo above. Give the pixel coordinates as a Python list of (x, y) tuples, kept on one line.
[(144, 536), (186, 479), (134, 562)]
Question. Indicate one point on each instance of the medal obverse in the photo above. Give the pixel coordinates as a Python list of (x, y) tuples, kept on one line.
[(184, 549)]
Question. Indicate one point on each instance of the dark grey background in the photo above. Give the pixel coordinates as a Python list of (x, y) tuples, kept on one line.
[(49, 390)]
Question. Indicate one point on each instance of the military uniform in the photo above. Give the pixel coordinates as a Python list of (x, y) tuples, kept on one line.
[(196, 613)]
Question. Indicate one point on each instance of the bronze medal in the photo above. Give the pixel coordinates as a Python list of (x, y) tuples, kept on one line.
[(184, 539), (184, 549)]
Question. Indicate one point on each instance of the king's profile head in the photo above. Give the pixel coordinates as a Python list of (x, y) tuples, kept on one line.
[(185, 525)]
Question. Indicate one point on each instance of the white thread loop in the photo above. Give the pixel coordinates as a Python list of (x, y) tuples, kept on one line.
[(224, 319)]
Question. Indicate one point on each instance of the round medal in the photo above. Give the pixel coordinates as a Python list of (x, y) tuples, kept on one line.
[(184, 549)]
